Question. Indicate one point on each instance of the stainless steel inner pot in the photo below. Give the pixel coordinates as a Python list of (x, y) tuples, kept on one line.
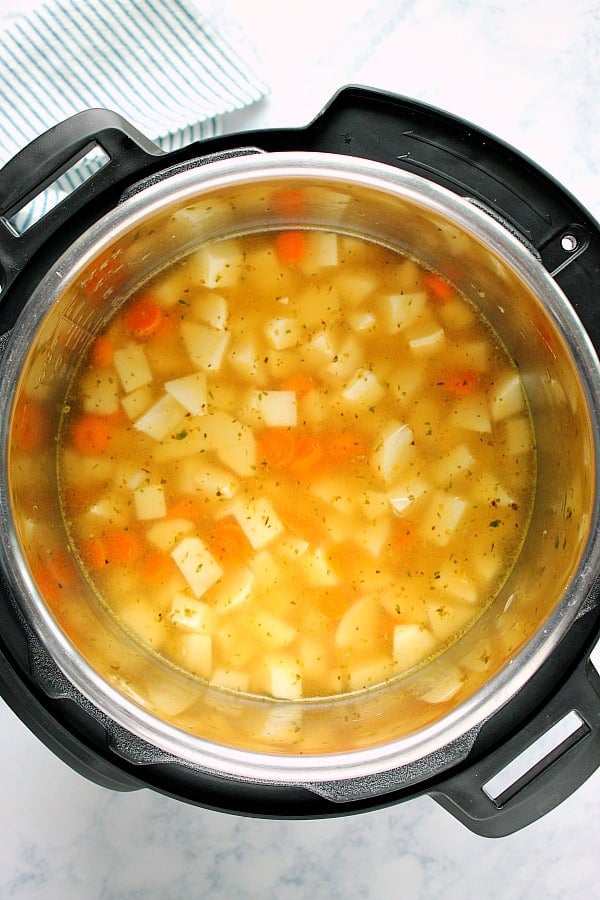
[(416, 718)]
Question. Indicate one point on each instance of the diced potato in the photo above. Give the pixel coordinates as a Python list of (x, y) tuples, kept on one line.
[(321, 348), (233, 589), (190, 391), (446, 685), (405, 381), (112, 507), (150, 502), (89, 470), (316, 304), (100, 393), (456, 585), (284, 678), (411, 645), (168, 290), (458, 462), (205, 346), (442, 517), (217, 265), (373, 536), (230, 680), (194, 652), (234, 443), (270, 630), (354, 287), (398, 311), (167, 534), (348, 358), (427, 340), (277, 408), (373, 504), (336, 491), (447, 618), (321, 251), (258, 520), (318, 569), (283, 332), (197, 474), (402, 496), (194, 615), (507, 399), (212, 308), (389, 456), (518, 436), (473, 414), (137, 402), (143, 620), (164, 417), (266, 569), (358, 628), (291, 547), (362, 321), (456, 313), (247, 361), (197, 565), (365, 674), (363, 388), (132, 366)]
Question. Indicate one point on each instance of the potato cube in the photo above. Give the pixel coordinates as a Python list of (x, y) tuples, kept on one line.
[(427, 340), (447, 618), (163, 417), (197, 565), (321, 251), (283, 332), (411, 645), (398, 311), (442, 518), (167, 534), (258, 520), (212, 308), (277, 408), (190, 391), (194, 615), (137, 402), (100, 393), (205, 346), (217, 265), (389, 455), (284, 678), (363, 388), (359, 626), (270, 630), (233, 589), (318, 569), (194, 652), (247, 361), (518, 436), (230, 680), (132, 367), (472, 413), (507, 400), (150, 502)]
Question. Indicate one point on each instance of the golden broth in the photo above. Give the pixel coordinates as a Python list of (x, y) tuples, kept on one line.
[(297, 464)]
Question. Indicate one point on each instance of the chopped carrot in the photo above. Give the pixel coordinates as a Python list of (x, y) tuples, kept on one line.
[(463, 382), (333, 602), (91, 434), (184, 508), (344, 445), (102, 352), (143, 318), (157, 567), (308, 456), (290, 247), (404, 535), (300, 384), (288, 201), (439, 287), (122, 547), (93, 553), (276, 447), (228, 541), (31, 429)]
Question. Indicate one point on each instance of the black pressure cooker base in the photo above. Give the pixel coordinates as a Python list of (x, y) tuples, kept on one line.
[(461, 158)]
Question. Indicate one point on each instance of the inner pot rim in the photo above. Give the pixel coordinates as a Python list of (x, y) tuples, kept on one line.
[(468, 717)]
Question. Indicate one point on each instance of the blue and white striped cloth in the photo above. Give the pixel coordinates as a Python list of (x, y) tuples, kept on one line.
[(158, 63)]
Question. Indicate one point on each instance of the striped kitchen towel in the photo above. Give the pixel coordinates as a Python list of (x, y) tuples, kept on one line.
[(158, 63)]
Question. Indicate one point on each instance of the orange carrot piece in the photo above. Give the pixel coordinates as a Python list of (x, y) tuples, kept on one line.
[(143, 318), (288, 201), (463, 382), (308, 457), (276, 447), (341, 446), (90, 434), (157, 567), (404, 536), (333, 602), (300, 384), (439, 287), (31, 430), (290, 247), (228, 541), (102, 352), (94, 554), (122, 547)]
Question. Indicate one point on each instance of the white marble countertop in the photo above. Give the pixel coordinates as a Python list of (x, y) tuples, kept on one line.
[(528, 71)]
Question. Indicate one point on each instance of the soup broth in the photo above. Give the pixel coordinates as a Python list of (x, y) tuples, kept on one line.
[(296, 464)]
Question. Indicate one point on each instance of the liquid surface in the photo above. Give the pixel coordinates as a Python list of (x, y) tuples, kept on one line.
[(296, 464)]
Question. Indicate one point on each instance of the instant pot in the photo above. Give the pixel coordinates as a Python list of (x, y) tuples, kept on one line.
[(513, 240)]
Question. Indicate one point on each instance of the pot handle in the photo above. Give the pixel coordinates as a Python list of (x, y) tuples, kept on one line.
[(121, 151), (536, 769)]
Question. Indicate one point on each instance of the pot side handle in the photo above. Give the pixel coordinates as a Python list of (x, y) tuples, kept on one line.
[(536, 769), (122, 153)]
